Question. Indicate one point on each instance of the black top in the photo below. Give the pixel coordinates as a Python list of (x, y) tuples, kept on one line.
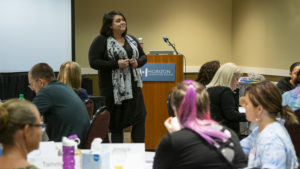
[(63, 111), (121, 115), (224, 107), (284, 84), (186, 149), (82, 93)]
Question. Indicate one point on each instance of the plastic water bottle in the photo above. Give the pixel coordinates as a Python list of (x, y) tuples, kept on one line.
[(141, 42), (68, 146), (21, 97)]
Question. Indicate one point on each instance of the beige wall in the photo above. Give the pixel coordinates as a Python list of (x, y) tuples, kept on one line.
[(251, 33), (266, 33), (201, 29)]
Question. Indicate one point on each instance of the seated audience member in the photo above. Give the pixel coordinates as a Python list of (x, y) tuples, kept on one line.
[(61, 108), (201, 142), (70, 74), (292, 97), (223, 103), (287, 83), (269, 145), (207, 72), (20, 133)]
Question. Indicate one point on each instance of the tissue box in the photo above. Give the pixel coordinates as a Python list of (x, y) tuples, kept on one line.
[(96, 160)]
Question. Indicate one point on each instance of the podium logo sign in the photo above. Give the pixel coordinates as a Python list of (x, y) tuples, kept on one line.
[(158, 72)]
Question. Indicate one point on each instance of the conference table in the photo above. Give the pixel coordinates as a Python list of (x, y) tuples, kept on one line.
[(49, 156)]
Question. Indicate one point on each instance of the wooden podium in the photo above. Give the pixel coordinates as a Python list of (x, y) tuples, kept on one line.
[(155, 97)]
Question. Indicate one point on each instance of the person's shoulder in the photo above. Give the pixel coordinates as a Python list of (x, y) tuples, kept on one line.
[(82, 93), (274, 131), (287, 94), (183, 136), (82, 90), (54, 84), (285, 81), (54, 87), (51, 86), (100, 38), (131, 36), (219, 90)]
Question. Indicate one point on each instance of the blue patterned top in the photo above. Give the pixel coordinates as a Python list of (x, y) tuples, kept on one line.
[(270, 148), (292, 98)]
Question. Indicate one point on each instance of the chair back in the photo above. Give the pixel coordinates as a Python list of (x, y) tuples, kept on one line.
[(99, 126), (294, 130), (89, 104)]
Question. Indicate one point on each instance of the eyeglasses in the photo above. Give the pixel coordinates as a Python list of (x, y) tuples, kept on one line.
[(42, 125), (30, 86)]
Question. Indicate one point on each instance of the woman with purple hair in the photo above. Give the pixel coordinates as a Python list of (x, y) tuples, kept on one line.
[(199, 141)]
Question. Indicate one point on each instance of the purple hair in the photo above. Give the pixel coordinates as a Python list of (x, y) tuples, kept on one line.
[(189, 118)]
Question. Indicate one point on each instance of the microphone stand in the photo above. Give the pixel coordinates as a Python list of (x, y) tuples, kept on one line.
[(172, 45)]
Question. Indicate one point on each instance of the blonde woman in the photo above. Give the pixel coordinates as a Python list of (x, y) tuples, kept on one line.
[(70, 74), (20, 133), (223, 103)]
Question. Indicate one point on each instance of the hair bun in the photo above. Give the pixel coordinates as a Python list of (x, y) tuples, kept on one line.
[(3, 117)]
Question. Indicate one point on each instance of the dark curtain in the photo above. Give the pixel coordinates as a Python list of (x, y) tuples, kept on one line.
[(13, 84)]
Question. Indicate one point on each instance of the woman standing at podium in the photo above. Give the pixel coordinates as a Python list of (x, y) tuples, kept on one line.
[(117, 55)]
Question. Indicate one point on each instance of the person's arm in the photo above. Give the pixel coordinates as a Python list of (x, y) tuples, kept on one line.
[(97, 54), (228, 106), (247, 143), (163, 158), (286, 99), (43, 102)]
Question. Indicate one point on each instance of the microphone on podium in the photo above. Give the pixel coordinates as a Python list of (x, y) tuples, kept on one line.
[(166, 39)]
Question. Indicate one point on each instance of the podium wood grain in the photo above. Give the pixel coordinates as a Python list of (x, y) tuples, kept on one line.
[(155, 97)]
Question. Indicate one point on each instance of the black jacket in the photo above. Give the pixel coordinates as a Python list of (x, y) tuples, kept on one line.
[(284, 84), (224, 107), (185, 149), (131, 109)]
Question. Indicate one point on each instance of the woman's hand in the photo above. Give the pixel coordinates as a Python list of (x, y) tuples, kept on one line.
[(123, 63), (133, 63), (172, 124)]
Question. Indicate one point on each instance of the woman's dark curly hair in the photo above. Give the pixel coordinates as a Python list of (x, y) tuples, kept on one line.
[(108, 19), (207, 72)]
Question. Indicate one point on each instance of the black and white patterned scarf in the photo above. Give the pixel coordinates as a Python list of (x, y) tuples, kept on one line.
[(121, 78)]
